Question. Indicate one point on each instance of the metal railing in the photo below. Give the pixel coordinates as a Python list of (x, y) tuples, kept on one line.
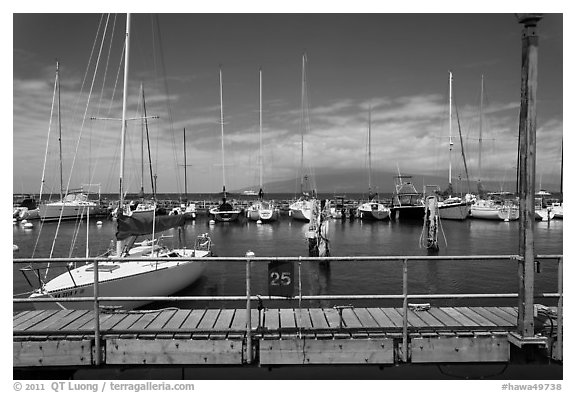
[(249, 259)]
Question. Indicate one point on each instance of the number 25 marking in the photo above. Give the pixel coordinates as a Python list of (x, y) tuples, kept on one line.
[(277, 279)]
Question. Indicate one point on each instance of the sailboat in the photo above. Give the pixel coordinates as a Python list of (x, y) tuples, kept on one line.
[(301, 209), (499, 206), (452, 208), (75, 204), (225, 212), (119, 277), (373, 209), (185, 206), (144, 206), (263, 211)]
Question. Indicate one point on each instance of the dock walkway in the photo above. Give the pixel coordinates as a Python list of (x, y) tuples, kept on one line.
[(279, 336)]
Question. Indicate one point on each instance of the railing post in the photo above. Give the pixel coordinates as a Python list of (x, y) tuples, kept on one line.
[(405, 311), (560, 311), (249, 254), (98, 353)]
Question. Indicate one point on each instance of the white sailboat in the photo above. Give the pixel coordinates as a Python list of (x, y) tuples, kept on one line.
[(225, 212), (452, 208), (119, 277), (75, 204), (301, 209), (185, 206), (261, 210), (372, 209), (499, 206)]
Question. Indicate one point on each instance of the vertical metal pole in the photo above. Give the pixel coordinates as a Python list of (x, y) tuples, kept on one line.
[(527, 171), (98, 353), (560, 311), (248, 310), (405, 311)]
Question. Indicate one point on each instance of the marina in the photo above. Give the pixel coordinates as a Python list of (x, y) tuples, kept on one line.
[(422, 272)]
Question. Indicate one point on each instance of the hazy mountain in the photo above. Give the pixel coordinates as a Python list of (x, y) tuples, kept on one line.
[(356, 181)]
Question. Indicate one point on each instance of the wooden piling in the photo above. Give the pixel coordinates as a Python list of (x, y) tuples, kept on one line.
[(527, 172)]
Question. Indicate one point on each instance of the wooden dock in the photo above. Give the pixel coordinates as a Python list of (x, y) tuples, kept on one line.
[(278, 336)]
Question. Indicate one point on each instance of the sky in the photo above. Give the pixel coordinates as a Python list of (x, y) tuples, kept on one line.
[(396, 64)]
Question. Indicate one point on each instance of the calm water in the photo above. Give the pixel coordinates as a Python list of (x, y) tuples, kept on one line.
[(348, 238)]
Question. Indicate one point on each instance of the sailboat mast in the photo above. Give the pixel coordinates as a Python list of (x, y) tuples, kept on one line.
[(152, 182), (123, 133), (142, 148), (261, 169), (222, 135), (450, 136), (303, 99), (369, 151), (480, 134), (59, 127), (185, 174)]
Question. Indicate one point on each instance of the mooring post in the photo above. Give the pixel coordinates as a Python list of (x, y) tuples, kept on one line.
[(249, 254), (527, 171), (98, 351), (405, 311)]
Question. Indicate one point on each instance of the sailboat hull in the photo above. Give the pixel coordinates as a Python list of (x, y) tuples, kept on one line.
[(225, 216), (301, 210), (134, 279), (56, 211), (454, 211), (264, 215), (373, 212)]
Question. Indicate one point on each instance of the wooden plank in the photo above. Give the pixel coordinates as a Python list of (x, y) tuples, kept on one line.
[(462, 319), (350, 319), (332, 317), (341, 351), (52, 319), (413, 318), (128, 320), (173, 351), (78, 322), (52, 353), (381, 319), (48, 323), (161, 320), (497, 320), (318, 319), (365, 318), (224, 320), (476, 317), (177, 319), (503, 314), (144, 321), (394, 316), (287, 319), (209, 319), (193, 319), (29, 314), (444, 318), (18, 316), (512, 311), (429, 319), (34, 319), (91, 323), (111, 322), (239, 321), (460, 349), (302, 317), (271, 319)]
